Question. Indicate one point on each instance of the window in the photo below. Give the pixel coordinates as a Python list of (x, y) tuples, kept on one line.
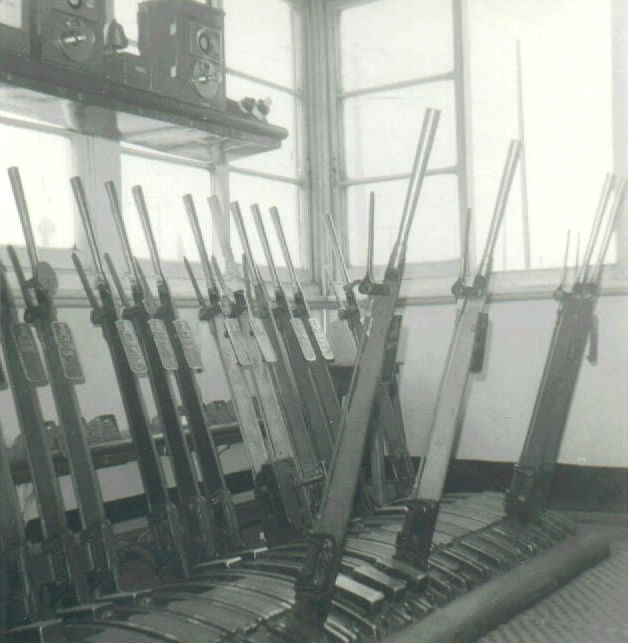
[(262, 52), (46, 165), (164, 182), (395, 59), (566, 82)]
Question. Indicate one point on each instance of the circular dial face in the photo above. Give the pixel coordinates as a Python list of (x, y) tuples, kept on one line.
[(204, 41), (209, 43), (206, 78)]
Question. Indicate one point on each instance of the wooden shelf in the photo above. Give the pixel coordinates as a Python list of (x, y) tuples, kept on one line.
[(94, 105)]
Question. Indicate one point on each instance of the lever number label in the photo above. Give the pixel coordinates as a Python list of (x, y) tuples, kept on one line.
[(162, 342), (321, 339), (234, 332), (29, 354), (131, 346), (262, 339), (190, 349), (303, 339), (68, 354)]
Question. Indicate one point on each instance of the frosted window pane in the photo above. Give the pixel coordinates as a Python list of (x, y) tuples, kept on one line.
[(125, 12), (384, 42), (435, 232), (282, 112), (259, 40), (45, 164), (164, 184), (382, 129), (248, 190), (568, 121)]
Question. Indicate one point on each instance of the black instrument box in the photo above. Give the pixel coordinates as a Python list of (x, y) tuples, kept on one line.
[(129, 69), (184, 41), (71, 34), (15, 26)]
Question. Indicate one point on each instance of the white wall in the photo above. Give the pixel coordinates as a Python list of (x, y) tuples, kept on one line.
[(501, 399)]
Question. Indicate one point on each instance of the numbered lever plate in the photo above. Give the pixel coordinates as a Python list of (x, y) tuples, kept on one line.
[(303, 339), (262, 339), (164, 347), (321, 339), (131, 346), (29, 354), (190, 349), (68, 353), (234, 332)]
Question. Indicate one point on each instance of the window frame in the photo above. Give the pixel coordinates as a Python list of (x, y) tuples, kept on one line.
[(301, 94), (59, 258), (320, 159), (417, 270), (426, 279)]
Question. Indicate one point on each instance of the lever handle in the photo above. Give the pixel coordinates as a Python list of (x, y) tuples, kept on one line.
[(335, 244), (246, 246), (86, 219), (190, 208), (142, 210), (263, 237), (370, 248), (620, 193), (220, 278), (283, 243), (193, 280), (508, 175), (221, 226), (607, 187), (117, 282), (116, 213), (89, 292), (22, 210), (151, 303)]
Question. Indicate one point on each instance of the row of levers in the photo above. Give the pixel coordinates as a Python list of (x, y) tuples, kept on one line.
[(355, 541)]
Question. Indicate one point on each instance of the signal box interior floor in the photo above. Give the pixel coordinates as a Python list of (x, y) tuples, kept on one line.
[(591, 608)]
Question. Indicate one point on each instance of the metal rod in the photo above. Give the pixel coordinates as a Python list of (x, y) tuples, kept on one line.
[(337, 248), (563, 279), (22, 210), (85, 282), (220, 278), (239, 223), (117, 282), (370, 247), (276, 219), (466, 245), (142, 210), (620, 193), (81, 203), (609, 183), (151, 302), (188, 202), (424, 148), (221, 225), (577, 262), (263, 237), (525, 218), (194, 281), (505, 184), (116, 211)]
